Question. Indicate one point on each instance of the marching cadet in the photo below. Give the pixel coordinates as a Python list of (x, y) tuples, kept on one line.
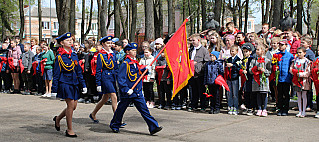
[(128, 74), (67, 79), (106, 70)]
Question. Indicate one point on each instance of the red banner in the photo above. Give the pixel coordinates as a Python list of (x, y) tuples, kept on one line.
[(176, 53)]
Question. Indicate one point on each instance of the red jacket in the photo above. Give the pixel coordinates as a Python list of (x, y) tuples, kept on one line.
[(294, 45)]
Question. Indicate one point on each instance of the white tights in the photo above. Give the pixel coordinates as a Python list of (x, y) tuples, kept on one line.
[(303, 95)]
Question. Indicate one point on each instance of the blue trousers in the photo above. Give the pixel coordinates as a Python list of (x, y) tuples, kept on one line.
[(140, 105), (233, 94)]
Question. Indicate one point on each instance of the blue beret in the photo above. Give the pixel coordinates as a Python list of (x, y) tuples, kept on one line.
[(115, 40), (216, 53), (130, 46), (63, 37), (105, 39)]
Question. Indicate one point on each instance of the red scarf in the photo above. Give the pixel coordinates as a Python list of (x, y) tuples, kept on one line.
[(82, 65), (160, 71), (243, 77), (227, 73), (34, 67), (42, 65), (63, 51), (241, 43), (21, 65), (256, 74)]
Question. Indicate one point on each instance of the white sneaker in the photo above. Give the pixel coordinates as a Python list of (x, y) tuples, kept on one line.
[(243, 107), (48, 95), (317, 115), (44, 95)]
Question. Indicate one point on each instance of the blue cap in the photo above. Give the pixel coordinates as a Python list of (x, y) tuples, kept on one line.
[(216, 53), (115, 40), (63, 37), (105, 39), (247, 46), (130, 46)]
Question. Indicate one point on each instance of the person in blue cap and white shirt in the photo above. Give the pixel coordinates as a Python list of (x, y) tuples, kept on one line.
[(67, 80), (129, 73), (106, 71)]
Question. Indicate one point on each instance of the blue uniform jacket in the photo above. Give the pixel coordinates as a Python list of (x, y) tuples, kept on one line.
[(4, 54), (248, 84), (284, 66), (235, 68), (106, 69), (127, 76), (67, 75), (212, 70)]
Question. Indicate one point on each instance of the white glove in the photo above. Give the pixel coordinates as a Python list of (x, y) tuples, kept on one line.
[(85, 90), (130, 92), (99, 89), (148, 68)]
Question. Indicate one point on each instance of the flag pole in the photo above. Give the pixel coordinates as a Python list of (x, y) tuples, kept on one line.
[(154, 61)]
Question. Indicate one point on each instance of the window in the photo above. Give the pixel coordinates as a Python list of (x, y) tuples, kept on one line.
[(94, 26), (79, 26), (45, 25), (56, 25), (249, 25)]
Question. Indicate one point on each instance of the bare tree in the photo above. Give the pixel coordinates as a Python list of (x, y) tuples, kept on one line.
[(218, 9), (158, 18), (103, 18), (299, 16), (63, 14), (99, 7), (110, 14), (149, 20), (246, 16), (84, 34), (276, 15), (203, 4), (171, 16), (133, 21), (72, 17), (117, 9), (21, 9), (40, 20), (307, 17)]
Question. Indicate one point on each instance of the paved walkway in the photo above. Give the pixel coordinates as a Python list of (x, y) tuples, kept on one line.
[(29, 118)]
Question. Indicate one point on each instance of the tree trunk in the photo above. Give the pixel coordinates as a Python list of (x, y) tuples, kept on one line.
[(117, 21), (262, 11), (99, 8), (203, 4), (158, 19), (198, 17), (109, 15), (133, 21), (271, 13), (72, 17), (160, 13), (191, 18), (240, 14), (171, 16), (282, 8), (317, 29), (299, 16), (40, 20), (123, 21), (223, 13), (21, 9), (149, 20), (103, 18), (276, 15), (234, 13), (291, 5), (246, 16), (267, 11), (218, 10), (63, 14)]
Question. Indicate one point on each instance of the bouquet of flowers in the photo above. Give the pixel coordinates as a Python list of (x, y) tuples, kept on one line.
[(261, 60), (275, 59)]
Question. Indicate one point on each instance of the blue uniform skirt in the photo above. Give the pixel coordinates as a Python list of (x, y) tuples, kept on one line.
[(67, 91), (108, 86)]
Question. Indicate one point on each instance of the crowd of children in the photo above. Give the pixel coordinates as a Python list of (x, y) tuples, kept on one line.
[(275, 65)]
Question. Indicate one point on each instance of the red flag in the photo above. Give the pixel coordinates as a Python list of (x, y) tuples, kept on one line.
[(42, 65), (21, 65), (256, 73), (82, 65), (296, 80), (273, 73), (10, 62), (221, 81), (243, 77), (177, 58), (315, 78)]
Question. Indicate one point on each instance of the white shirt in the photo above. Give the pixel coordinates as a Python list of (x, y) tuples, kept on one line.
[(194, 51)]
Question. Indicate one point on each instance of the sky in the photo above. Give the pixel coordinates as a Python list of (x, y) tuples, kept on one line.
[(46, 3)]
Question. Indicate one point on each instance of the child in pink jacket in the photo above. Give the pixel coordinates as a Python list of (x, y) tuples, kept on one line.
[(300, 69)]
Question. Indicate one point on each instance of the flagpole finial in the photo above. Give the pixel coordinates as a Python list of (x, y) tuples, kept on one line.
[(191, 15)]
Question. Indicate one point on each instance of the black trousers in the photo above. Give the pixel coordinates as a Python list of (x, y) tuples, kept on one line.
[(39, 83), (27, 79), (165, 92), (272, 89), (148, 91), (283, 96), (7, 80), (90, 85), (180, 97), (250, 99), (198, 89), (214, 101)]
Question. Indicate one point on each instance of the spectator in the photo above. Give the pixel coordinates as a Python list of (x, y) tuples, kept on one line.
[(49, 58), (26, 73), (15, 54), (225, 52), (215, 42), (5, 73), (17, 38), (34, 44)]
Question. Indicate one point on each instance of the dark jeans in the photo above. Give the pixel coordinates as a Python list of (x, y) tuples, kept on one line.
[(198, 89), (214, 101), (250, 100), (272, 89), (262, 99), (165, 92), (40, 83), (180, 97), (27, 79), (283, 96), (7, 80), (148, 91), (232, 97), (91, 86), (309, 99)]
